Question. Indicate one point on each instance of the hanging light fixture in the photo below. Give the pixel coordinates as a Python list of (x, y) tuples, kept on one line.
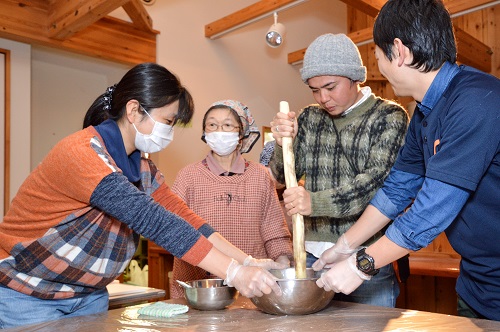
[(275, 36)]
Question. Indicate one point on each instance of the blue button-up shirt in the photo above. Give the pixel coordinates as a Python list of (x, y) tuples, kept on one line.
[(436, 203)]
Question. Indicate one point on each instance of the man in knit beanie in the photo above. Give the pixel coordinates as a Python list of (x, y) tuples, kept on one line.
[(344, 146)]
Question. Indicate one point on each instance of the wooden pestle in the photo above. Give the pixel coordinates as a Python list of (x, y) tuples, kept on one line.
[(299, 252)]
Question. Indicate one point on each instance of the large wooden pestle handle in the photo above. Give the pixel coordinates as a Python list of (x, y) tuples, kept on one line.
[(299, 252)]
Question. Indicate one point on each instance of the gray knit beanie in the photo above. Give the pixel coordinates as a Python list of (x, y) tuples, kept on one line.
[(334, 55)]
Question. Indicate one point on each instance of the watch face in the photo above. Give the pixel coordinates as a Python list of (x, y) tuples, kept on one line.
[(364, 263)]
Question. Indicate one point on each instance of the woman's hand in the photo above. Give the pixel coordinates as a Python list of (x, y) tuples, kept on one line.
[(284, 261), (251, 281), (267, 264)]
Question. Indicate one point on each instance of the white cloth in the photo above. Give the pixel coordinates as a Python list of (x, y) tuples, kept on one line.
[(317, 248), (366, 91), (162, 309)]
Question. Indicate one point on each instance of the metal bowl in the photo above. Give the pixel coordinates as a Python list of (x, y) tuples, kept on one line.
[(209, 294), (300, 296)]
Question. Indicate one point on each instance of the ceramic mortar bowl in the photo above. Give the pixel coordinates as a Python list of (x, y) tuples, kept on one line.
[(300, 296), (209, 294)]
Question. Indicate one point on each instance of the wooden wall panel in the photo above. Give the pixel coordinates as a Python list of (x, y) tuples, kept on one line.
[(358, 21), (484, 26), (427, 293)]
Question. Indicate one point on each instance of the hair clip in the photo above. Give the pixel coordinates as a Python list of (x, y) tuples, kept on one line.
[(108, 97)]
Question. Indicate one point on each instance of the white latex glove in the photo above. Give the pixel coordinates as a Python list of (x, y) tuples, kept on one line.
[(339, 252), (343, 277), (284, 261), (267, 264), (251, 280)]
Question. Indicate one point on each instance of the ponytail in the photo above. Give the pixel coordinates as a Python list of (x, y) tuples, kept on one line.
[(99, 110)]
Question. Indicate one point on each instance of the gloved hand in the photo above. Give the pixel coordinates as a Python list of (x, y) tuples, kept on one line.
[(339, 252), (267, 264), (343, 277), (251, 280), (284, 261)]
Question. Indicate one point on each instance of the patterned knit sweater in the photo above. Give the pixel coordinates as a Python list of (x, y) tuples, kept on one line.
[(244, 208), (343, 172)]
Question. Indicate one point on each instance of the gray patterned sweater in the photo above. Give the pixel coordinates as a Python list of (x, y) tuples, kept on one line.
[(343, 175)]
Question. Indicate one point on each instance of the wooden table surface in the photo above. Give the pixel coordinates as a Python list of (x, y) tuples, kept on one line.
[(244, 316)]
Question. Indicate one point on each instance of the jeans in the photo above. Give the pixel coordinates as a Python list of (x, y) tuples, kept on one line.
[(381, 290), (464, 310), (18, 309)]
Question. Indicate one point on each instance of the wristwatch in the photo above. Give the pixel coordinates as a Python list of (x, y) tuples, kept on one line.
[(365, 263)]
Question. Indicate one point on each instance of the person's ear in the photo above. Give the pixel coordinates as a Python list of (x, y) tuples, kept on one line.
[(132, 110), (401, 52)]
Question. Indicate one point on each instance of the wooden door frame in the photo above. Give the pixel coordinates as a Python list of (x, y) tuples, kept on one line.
[(6, 170)]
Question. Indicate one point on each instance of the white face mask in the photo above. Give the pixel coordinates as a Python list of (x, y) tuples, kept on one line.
[(221, 142), (159, 139)]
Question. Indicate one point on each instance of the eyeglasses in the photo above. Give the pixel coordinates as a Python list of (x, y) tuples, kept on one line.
[(209, 127)]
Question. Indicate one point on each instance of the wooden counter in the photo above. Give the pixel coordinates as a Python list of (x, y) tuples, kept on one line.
[(244, 316), (123, 295)]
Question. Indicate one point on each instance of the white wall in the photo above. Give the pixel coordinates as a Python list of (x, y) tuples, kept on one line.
[(239, 66), (20, 113), (64, 85)]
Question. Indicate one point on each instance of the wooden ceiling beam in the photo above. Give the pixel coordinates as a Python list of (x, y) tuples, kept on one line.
[(369, 7), (115, 40), (246, 16), (108, 38), (455, 7), (472, 51), (459, 7), (138, 14), (68, 17)]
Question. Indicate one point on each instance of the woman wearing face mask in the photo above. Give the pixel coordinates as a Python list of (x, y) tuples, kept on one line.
[(235, 196), (75, 222)]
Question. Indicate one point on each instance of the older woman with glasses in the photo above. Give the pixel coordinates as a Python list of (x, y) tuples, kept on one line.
[(235, 196)]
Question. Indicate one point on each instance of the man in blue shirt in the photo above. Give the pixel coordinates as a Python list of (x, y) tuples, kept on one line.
[(449, 166)]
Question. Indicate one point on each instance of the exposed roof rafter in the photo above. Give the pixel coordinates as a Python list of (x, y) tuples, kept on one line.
[(68, 17), (82, 27), (247, 15), (138, 14)]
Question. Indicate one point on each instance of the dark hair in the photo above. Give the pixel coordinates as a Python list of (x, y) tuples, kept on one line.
[(151, 85), (424, 26), (235, 114)]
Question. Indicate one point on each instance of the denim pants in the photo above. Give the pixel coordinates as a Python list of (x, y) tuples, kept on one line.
[(381, 290), (18, 309), (464, 310)]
